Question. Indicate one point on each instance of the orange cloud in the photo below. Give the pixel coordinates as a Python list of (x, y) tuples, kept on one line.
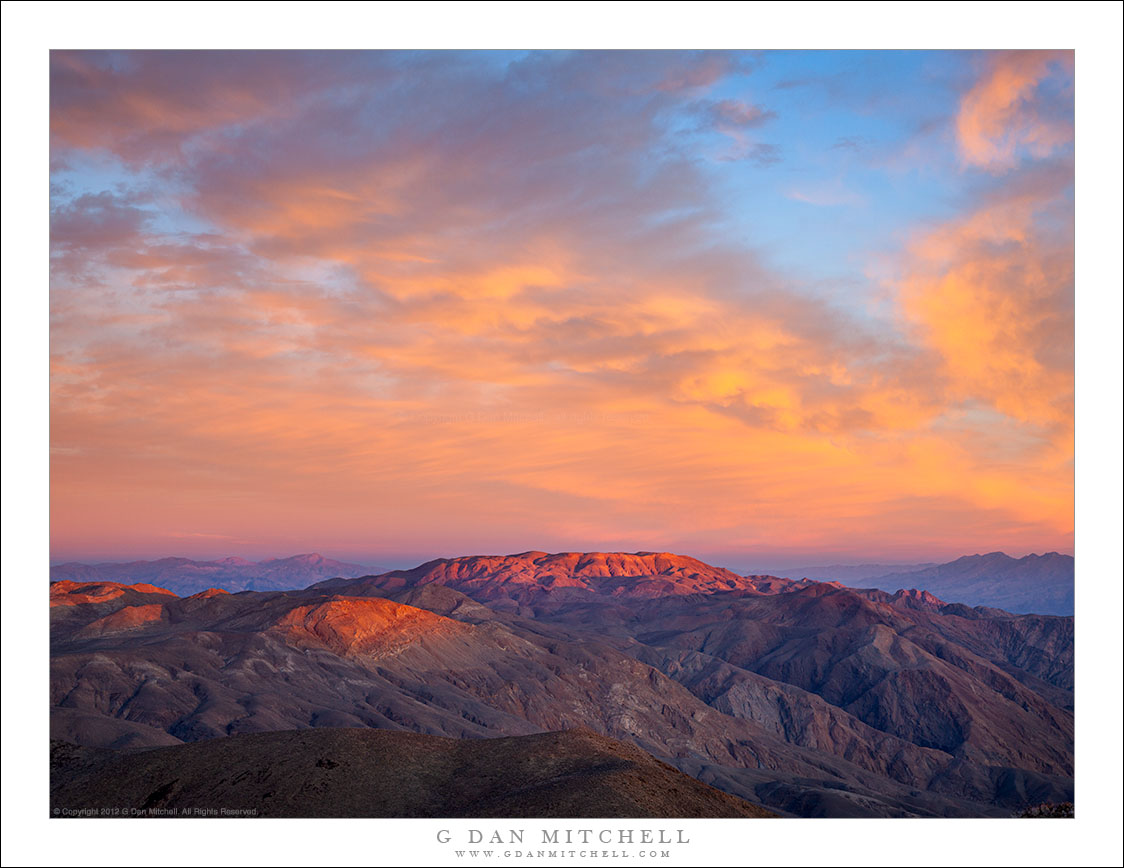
[(380, 340), (529, 403), (992, 293), (1001, 115)]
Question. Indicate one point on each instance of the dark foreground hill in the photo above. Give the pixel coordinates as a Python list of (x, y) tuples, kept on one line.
[(377, 773)]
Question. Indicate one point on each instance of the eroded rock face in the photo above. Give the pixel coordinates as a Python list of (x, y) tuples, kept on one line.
[(794, 692)]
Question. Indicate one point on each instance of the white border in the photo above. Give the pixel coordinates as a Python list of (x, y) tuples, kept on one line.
[(1093, 29)]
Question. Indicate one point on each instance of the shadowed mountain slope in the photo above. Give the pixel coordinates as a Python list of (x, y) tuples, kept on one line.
[(374, 773)]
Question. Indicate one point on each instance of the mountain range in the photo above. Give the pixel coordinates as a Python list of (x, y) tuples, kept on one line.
[(186, 577), (805, 698), (1035, 583), (848, 574)]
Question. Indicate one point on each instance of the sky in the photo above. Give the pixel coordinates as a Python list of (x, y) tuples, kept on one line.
[(781, 307)]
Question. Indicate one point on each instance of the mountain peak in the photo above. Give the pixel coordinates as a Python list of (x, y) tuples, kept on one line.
[(529, 575), (309, 558), (993, 557)]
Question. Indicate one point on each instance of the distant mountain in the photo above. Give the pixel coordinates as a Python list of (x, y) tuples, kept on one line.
[(186, 577), (808, 698), (848, 574), (378, 773), (1042, 584)]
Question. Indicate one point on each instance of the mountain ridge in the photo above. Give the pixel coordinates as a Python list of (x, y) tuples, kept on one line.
[(994, 579), (185, 576), (810, 697), (1038, 583)]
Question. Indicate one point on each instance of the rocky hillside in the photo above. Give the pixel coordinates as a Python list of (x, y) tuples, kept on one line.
[(380, 773)]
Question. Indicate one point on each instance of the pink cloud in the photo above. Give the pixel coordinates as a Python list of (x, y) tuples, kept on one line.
[(1003, 113)]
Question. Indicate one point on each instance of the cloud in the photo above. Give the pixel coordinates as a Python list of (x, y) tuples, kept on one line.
[(1012, 110), (422, 295), (734, 119), (763, 154), (147, 106), (992, 292), (90, 222), (851, 143), (730, 114), (827, 195)]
